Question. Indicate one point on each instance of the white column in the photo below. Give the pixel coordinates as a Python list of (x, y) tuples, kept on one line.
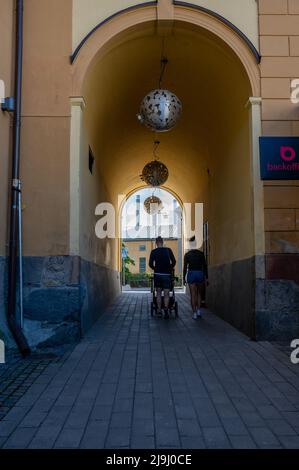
[(77, 108), (254, 106)]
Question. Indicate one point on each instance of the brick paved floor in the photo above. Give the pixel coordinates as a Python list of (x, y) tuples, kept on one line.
[(17, 375), (138, 382)]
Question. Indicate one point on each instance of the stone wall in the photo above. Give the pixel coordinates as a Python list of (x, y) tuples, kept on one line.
[(4, 330), (95, 299), (63, 297), (231, 294), (51, 300), (263, 309), (277, 310)]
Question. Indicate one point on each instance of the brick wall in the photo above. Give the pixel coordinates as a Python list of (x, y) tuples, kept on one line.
[(279, 44)]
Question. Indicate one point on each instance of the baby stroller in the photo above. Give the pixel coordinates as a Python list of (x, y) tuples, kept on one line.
[(173, 305)]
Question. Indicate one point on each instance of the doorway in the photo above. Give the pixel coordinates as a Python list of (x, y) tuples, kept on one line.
[(146, 214)]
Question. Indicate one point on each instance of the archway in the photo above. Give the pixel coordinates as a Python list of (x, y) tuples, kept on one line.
[(146, 214), (210, 154)]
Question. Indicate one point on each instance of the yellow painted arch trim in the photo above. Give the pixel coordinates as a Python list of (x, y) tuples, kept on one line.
[(109, 35)]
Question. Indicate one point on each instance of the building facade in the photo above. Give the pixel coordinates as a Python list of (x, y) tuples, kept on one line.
[(87, 64), (139, 251)]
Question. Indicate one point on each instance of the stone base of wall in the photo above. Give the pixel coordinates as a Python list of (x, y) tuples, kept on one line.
[(263, 309), (63, 297), (277, 310), (231, 294), (5, 334), (98, 287)]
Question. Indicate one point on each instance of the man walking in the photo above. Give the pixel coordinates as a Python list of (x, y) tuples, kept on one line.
[(162, 261)]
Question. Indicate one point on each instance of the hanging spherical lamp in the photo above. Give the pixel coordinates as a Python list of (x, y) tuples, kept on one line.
[(155, 173), (160, 110), (153, 205)]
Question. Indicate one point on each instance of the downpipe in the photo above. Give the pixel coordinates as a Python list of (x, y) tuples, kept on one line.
[(15, 219), (20, 224)]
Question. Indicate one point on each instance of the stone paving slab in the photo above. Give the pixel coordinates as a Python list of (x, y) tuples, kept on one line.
[(141, 382), (17, 375)]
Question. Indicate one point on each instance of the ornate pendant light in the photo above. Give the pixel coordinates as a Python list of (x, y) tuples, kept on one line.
[(155, 173), (153, 205), (160, 109)]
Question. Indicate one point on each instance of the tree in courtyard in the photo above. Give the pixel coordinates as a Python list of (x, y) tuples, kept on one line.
[(127, 260)]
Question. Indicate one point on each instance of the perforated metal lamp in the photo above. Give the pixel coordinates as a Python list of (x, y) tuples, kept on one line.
[(155, 173), (160, 110), (153, 205)]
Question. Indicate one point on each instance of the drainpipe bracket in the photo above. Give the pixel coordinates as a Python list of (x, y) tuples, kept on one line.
[(16, 184), (8, 104)]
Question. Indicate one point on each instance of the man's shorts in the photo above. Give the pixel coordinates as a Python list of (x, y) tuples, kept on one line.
[(162, 281), (195, 277)]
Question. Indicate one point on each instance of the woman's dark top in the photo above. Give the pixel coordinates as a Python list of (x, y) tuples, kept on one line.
[(162, 260), (195, 261)]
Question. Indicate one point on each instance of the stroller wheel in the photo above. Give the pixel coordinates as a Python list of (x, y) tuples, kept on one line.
[(176, 309)]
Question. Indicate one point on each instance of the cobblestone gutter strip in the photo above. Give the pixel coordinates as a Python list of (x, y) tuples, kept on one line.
[(18, 374)]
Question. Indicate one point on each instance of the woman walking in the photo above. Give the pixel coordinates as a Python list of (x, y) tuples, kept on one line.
[(196, 276)]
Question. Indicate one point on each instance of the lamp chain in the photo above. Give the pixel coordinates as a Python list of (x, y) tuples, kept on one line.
[(163, 62), (156, 145)]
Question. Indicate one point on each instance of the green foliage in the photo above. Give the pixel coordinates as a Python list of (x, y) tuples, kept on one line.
[(127, 262), (139, 279), (144, 280), (178, 281)]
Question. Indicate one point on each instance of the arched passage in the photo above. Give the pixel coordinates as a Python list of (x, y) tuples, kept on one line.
[(209, 154), (142, 221)]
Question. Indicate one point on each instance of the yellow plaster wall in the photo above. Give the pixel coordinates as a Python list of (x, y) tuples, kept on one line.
[(46, 126), (242, 13), (230, 204), (93, 190), (45, 129), (88, 13), (6, 74)]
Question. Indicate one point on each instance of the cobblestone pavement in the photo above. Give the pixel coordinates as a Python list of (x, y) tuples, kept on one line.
[(17, 375), (137, 382)]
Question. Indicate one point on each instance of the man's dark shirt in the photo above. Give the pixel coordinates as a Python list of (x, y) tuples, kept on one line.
[(195, 261), (162, 260)]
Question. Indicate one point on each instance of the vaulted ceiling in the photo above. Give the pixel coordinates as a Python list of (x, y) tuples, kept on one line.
[(203, 72)]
